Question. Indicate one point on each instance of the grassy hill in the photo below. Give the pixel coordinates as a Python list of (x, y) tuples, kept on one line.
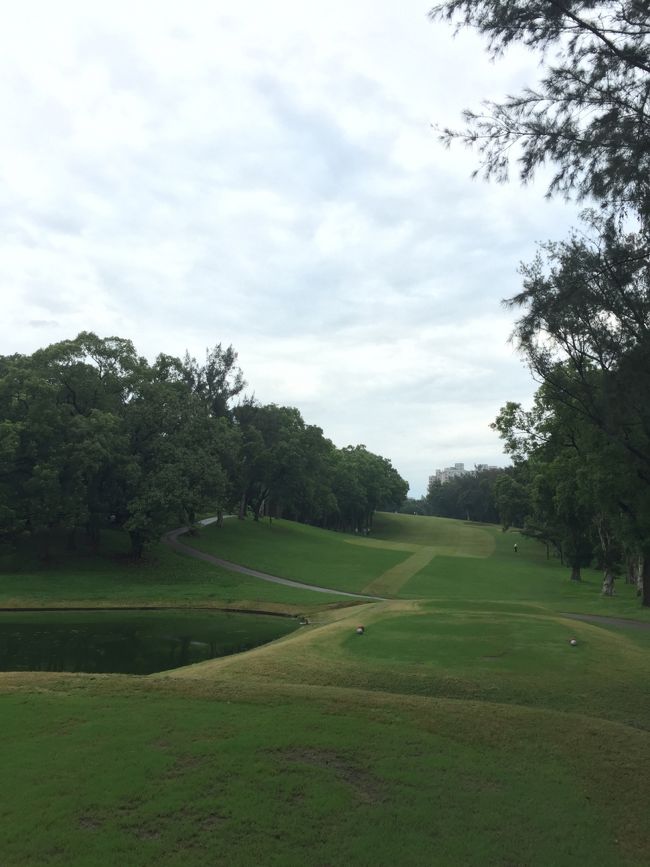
[(461, 728)]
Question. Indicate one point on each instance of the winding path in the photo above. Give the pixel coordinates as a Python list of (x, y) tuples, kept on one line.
[(171, 539)]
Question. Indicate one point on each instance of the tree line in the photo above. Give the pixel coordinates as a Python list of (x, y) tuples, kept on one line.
[(92, 435), (468, 497), (582, 452)]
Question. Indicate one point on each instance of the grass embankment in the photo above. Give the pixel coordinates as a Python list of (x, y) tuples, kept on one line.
[(462, 728), (299, 552), (162, 578), (137, 642)]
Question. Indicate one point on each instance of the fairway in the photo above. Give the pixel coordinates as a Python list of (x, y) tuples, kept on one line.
[(460, 728)]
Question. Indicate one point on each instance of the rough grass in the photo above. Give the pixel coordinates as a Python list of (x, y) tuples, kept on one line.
[(460, 729), (125, 772)]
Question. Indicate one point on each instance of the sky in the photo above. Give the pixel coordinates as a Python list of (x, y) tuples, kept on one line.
[(269, 176)]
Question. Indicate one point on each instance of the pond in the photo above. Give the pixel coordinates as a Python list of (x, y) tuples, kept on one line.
[(129, 642)]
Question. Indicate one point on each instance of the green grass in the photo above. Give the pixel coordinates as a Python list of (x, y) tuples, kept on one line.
[(499, 577), (163, 577), (344, 779), (460, 729), (298, 552)]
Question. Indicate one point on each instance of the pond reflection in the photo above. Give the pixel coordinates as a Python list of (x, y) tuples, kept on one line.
[(129, 642)]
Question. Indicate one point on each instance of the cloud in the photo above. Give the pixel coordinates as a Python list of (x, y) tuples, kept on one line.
[(270, 178), (43, 323)]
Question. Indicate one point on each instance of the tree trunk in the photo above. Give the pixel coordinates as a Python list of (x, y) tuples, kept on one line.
[(242, 507), (43, 547), (608, 583), (92, 534), (575, 573), (71, 540), (219, 521), (631, 566), (259, 509), (137, 543), (644, 582)]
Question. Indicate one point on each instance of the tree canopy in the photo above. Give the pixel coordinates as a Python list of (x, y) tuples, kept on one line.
[(93, 436), (588, 116), (582, 452)]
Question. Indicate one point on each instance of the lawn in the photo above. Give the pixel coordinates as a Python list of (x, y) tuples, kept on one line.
[(461, 728), (298, 552), (162, 577), (123, 773)]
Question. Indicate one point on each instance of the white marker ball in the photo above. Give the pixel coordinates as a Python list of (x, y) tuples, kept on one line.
[(360, 630), (573, 642)]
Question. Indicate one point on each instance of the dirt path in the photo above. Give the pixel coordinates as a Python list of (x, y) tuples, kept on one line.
[(171, 539), (609, 621)]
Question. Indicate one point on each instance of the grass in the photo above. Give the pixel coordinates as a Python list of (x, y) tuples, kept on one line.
[(460, 729), (299, 552), (486, 572), (163, 577), (345, 779)]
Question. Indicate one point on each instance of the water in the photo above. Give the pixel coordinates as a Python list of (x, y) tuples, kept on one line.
[(129, 642)]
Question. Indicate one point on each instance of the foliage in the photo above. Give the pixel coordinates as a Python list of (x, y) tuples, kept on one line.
[(589, 114), (94, 436), (584, 331), (585, 302), (470, 496)]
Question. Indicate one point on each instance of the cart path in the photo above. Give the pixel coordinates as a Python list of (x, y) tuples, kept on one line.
[(171, 539), (609, 621)]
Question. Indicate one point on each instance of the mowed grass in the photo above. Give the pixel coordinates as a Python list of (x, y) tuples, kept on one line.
[(299, 552), (241, 777), (162, 577), (460, 729), (486, 572)]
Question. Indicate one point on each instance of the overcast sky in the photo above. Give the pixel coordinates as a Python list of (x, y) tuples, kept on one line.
[(267, 175)]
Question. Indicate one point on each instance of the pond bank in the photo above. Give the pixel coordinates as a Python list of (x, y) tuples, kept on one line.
[(99, 608)]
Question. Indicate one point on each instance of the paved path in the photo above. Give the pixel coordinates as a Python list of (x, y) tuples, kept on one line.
[(609, 621), (171, 539)]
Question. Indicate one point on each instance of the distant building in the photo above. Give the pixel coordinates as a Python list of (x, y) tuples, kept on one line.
[(443, 476)]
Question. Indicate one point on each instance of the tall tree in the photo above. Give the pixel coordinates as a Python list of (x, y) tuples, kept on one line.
[(217, 381), (589, 115)]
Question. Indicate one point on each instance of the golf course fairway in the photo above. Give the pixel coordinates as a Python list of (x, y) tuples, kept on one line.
[(461, 727)]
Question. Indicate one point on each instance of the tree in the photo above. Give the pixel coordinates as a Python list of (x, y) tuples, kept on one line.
[(65, 439), (217, 381), (589, 115), (511, 497), (585, 496), (468, 497), (585, 332), (559, 513), (92, 435), (585, 302), (176, 446), (413, 506)]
